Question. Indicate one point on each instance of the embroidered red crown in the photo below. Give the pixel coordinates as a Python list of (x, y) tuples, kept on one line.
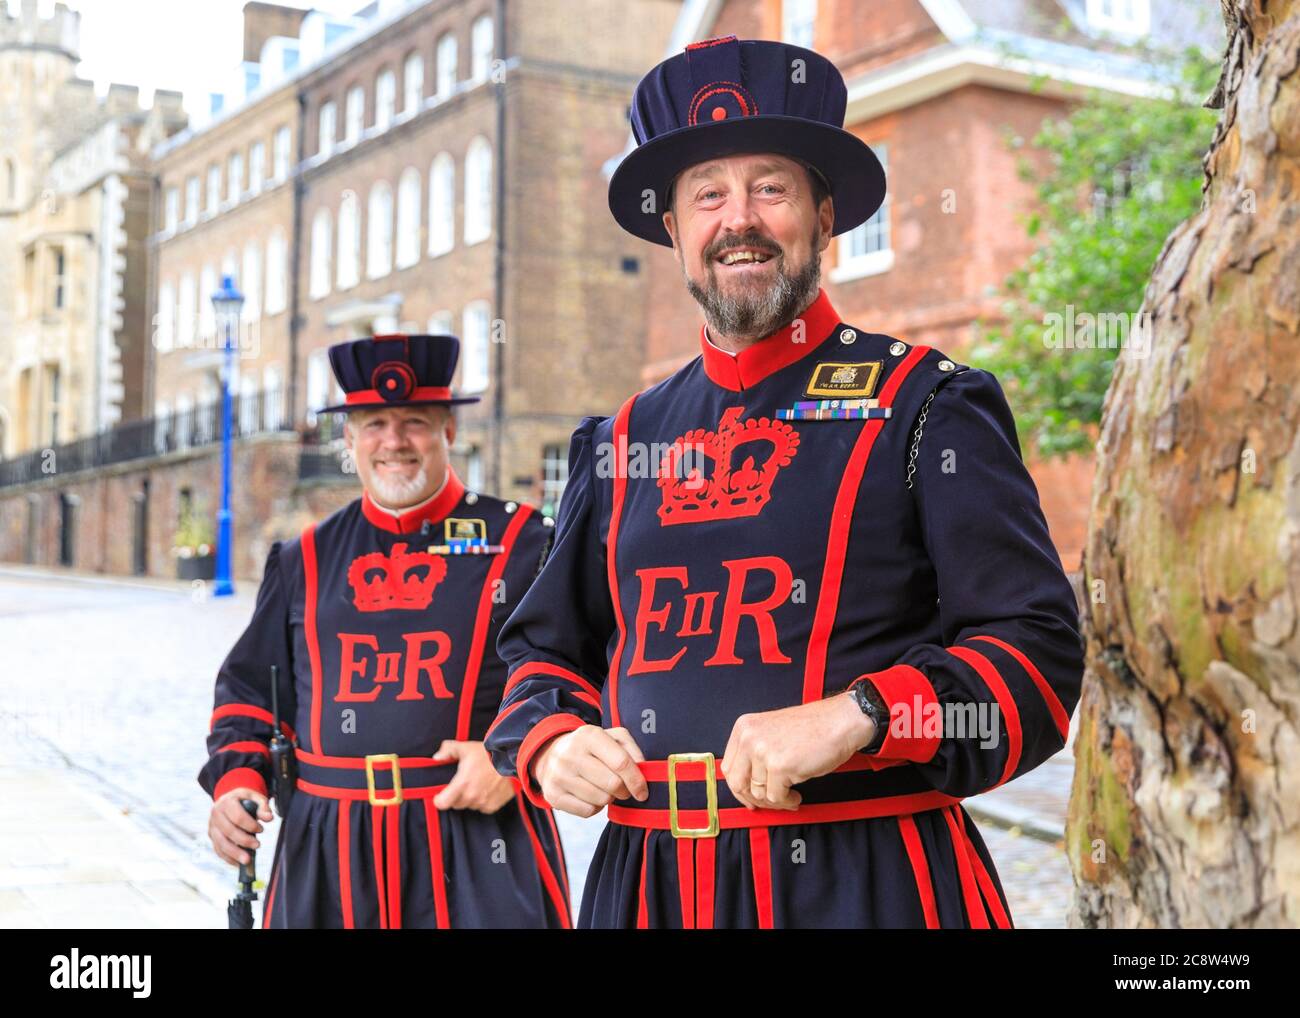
[(380, 582), (760, 446)]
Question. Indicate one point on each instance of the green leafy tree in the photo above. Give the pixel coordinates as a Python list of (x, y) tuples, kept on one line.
[(1121, 173)]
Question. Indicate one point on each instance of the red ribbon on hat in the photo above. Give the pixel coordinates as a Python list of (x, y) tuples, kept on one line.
[(422, 393)]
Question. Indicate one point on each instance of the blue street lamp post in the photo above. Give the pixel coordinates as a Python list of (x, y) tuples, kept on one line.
[(227, 302)]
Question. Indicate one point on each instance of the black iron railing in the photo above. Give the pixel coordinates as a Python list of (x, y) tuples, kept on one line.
[(256, 414)]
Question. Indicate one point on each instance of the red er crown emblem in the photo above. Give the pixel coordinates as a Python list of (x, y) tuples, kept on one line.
[(380, 582), (727, 474)]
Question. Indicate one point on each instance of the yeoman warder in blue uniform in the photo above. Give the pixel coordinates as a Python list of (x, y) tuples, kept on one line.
[(802, 600), (381, 622)]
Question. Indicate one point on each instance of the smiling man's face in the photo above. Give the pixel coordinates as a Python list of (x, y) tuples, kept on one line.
[(749, 236), (401, 452)]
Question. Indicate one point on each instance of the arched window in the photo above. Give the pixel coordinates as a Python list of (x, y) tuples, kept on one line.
[(187, 312), (251, 282), (475, 347), (412, 83), (164, 321), (442, 204), (385, 99), (478, 191), (349, 256), (275, 272), (354, 114), (379, 233), (327, 129), (446, 75), (207, 313), (480, 42), (319, 284), (408, 218)]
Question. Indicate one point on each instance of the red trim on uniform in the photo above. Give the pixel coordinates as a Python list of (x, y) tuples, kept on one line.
[(558, 897), (345, 863), (908, 692), (657, 770), (1053, 702), (837, 542), (686, 880), (393, 848), (248, 710), (992, 900), (1006, 703), (270, 898), (549, 727), (559, 851), (705, 875), (433, 826), (920, 869), (711, 42), (527, 671), (308, 544), (731, 818), (246, 747), (410, 522), (975, 913), (760, 856), (751, 365), (620, 436), (239, 777), (371, 397), (483, 618), (642, 912), (377, 851)]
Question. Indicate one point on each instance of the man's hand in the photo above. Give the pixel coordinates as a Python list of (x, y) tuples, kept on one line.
[(476, 785), (230, 827), (582, 771), (769, 752)]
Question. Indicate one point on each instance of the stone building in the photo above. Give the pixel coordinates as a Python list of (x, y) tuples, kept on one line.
[(75, 195)]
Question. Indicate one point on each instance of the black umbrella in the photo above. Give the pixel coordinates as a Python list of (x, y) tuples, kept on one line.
[(240, 909)]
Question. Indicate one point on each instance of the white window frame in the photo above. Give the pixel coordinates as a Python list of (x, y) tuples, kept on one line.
[(191, 200), (385, 99), (412, 84), (798, 21), (280, 155), (171, 210), (445, 71), (327, 129), (208, 283), (407, 248), (234, 177), (379, 230), (187, 310), (482, 48), (252, 282), (442, 204), (354, 116), (1123, 17), (256, 167), (276, 272), (876, 235), (320, 276), (478, 191), (214, 190), (476, 347), (347, 260), (164, 322)]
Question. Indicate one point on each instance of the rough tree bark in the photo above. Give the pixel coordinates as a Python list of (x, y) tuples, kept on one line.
[(1185, 810)]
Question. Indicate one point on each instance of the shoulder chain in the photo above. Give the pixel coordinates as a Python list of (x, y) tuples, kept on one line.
[(916, 437)]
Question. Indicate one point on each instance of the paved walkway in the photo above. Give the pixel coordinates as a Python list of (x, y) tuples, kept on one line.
[(104, 702)]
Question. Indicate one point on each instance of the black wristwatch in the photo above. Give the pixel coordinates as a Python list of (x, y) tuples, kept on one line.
[(869, 701)]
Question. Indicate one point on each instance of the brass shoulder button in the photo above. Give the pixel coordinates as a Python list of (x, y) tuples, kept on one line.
[(511, 506), (897, 348), (471, 497), (945, 365), (548, 521), (847, 336)]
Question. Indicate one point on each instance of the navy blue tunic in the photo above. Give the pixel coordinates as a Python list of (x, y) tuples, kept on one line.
[(384, 648), (714, 558)]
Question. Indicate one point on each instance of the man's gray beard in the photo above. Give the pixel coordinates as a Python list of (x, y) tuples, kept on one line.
[(758, 315), (392, 492)]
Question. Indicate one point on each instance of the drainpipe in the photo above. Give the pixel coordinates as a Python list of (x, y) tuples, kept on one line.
[(295, 262)]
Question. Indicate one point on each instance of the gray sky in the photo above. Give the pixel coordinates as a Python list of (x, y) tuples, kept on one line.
[(190, 45)]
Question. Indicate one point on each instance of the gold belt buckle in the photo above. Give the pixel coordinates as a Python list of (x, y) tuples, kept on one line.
[(710, 793), (396, 798)]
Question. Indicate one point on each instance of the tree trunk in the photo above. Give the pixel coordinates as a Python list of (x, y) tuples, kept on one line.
[(1185, 810)]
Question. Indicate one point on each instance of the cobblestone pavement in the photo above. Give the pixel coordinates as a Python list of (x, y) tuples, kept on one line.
[(107, 684)]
